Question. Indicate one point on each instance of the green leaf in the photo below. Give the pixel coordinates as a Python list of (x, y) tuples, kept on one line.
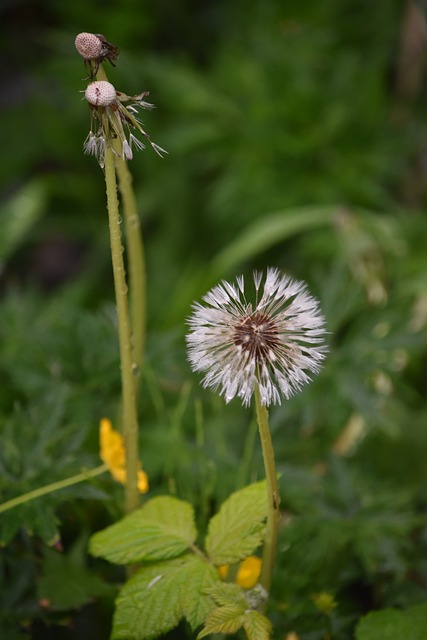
[(257, 626), (19, 214), (227, 593), (201, 577), (230, 617), (158, 596), (163, 528), (392, 624), (66, 582), (270, 230), (238, 527), (226, 619)]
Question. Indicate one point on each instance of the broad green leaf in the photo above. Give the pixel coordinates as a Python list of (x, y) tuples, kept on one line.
[(237, 529), (256, 626), (163, 528), (159, 595), (226, 619), (196, 603), (392, 624)]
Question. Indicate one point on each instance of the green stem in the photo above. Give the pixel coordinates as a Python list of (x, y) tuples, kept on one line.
[(54, 486), (273, 496), (130, 418), (136, 261), (135, 252)]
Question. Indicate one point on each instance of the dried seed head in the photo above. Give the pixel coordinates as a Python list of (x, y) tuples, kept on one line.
[(100, 93), (89, 46)]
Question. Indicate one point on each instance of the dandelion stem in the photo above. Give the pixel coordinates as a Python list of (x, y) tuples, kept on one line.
[(53, 486), (135, 253), (273, 496), (136, 261), (130, 418)]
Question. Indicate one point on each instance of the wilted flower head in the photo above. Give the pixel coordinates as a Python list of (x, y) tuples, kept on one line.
[(111, 120), (94, 49), (273, 344)]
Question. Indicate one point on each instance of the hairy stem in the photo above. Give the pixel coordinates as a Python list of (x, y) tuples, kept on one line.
[(130, 419), (136, 262), (135, 252), (273, 496)]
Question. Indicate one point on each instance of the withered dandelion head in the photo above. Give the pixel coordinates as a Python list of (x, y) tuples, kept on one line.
[(273, 344), (94, 49), (112, 122)]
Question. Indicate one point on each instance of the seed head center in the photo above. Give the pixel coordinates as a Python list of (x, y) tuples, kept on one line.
[(258, 334)]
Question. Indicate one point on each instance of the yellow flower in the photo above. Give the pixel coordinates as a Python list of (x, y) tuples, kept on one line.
[(223, 571), (247, 574), (112, 453)]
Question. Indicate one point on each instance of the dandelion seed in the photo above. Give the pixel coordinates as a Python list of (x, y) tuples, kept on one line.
[(273, 345), (112, 122)]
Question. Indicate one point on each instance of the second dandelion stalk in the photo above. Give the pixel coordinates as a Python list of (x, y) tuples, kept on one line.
[(273, 496)]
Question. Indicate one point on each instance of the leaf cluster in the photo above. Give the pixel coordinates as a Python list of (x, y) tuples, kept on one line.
[(175, 579)]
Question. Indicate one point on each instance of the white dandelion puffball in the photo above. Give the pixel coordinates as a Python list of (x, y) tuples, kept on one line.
[(273, 344)]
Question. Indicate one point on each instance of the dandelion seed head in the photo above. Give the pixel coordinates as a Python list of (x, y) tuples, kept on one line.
[(100, 93), (273, 344), (89, 46)]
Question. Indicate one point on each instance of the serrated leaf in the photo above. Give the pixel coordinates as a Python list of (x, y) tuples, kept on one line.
[(227, 593), (392, 624), (256, 626), (158, 596), (163, 528), (195, 600), (226, 619), (238, 527)]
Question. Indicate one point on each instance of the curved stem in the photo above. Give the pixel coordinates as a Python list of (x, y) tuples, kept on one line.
[(130, 419), (273, 496), (53, 486)]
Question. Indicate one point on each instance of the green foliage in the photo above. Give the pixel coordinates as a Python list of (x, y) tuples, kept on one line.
[(159, 595), (32, 443), (67, 582), (175, 584), (236, 610), (163, 528), (19, 215), (391, 624), (238, 527)]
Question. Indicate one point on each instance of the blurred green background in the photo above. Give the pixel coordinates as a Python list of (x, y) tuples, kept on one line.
[(297, 138)]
